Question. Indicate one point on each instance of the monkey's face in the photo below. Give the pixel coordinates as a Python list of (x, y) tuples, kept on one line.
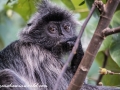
[(58, 33)]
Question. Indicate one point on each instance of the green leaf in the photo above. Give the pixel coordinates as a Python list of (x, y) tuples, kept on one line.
[(25, 8), (82, 9), (115, 48), (111, 80), (89, 4), (116, 37), (112, 65), (106, 43), (115, 22), (89, 31), (115, 52), (83, 2), (104, 1), (93, 73), (69, 4), (83, 15), (100, 58), (118, 8)]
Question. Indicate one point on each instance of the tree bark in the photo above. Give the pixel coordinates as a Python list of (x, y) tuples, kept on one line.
[(96, 41)]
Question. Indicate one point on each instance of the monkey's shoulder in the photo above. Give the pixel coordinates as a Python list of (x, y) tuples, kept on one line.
[(24, 53), (8, 55), (9, 50), (20, 49)]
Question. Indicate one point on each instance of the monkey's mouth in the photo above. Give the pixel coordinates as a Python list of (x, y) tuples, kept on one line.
[(61, 42), (66, 40)]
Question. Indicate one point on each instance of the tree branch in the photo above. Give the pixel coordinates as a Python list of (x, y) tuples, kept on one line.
[(109, 31), (103, 66), (75, 47), (97, 39), (91, 87)]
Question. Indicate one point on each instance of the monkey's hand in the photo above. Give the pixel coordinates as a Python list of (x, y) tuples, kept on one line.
[(77, 58), (68, 44)]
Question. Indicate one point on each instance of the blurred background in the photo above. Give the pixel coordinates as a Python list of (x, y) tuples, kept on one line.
[(14, 15)]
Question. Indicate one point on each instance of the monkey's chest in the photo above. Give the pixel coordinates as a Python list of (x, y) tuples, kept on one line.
[(47, 73), (44, 69)]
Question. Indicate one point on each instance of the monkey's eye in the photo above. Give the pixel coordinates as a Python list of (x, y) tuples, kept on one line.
[(66, 27), (52, 29)]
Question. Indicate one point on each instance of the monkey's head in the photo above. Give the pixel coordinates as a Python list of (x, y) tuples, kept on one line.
[(50, 26)]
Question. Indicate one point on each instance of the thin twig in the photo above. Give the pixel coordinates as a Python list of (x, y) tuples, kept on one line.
[(103, 66), (75, 47), (109, 31), (105, 71)]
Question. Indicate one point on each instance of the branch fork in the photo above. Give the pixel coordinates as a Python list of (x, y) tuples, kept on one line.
[(107, 31)]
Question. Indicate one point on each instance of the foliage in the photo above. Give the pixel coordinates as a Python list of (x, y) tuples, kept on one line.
[(15, 13)]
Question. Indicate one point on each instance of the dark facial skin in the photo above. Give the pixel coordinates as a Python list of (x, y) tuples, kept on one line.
[(59, 30)]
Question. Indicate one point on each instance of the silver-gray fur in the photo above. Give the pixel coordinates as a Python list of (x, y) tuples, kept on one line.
[(36, 58)]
